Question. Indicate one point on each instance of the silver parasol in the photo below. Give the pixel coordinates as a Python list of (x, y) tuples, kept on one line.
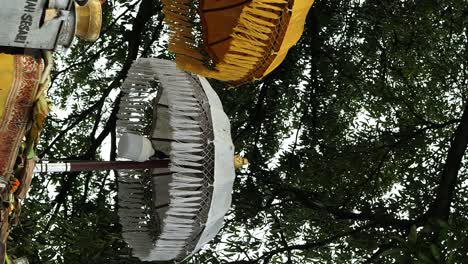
[(170, 213)]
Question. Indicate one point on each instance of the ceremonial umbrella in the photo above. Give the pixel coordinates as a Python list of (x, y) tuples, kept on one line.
[(23, 108), (233, 40), (30, 31), (173, 124)]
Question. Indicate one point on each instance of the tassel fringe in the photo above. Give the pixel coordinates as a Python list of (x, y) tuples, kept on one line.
[(180, 223), (186, 156), (254, 38)]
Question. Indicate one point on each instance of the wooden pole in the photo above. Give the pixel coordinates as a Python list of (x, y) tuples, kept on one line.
[(65, 166)]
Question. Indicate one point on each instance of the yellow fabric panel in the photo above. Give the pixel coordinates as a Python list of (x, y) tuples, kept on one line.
[(220, 49), (219, 25), (7, 75), (89, 20), (220, 4), (217, 29), (293, 33)]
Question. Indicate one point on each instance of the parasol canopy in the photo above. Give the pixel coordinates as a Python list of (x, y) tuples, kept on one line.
[(170, 213), (21, 104), (23, 109), (176, 189), (234, 40), (24, 79)]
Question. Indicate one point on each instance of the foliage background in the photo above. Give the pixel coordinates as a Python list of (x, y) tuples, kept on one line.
[(356, 142)]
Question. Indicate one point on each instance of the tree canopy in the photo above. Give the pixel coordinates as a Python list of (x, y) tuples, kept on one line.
[(357, 142)]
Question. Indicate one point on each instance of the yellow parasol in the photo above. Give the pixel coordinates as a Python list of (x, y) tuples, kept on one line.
[(23, 108), (89, 20), (20, 105), (24, 80), (234, 40)]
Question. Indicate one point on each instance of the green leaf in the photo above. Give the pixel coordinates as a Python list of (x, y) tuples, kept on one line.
[(435, 251), (395, 252), (398, 238), (413, 234), (451, 258), (426, 259)]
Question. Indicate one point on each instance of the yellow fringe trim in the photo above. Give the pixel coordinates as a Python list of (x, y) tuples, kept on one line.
[(253, 39), (7, 77), (89, 20)]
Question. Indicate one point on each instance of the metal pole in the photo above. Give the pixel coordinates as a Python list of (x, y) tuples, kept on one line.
[(99, 165)]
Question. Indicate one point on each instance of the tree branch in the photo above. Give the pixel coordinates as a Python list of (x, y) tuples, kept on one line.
[(380, 219), (312, 244), (282, 237), (440, 207), (378, 253), (257, 113), (146, 12)]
